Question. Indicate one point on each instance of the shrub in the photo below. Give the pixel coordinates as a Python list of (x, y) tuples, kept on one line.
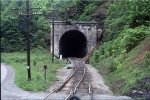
[(96, 57), (126, 14), (134, 36), (126, 41)]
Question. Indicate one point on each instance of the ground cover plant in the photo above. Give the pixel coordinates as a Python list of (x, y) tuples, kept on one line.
[(39, 58)]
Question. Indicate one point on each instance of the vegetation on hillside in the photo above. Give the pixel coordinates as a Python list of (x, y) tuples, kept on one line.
[(124, 57), (79, 10), (13, 43), (126, 14), (13, 26)]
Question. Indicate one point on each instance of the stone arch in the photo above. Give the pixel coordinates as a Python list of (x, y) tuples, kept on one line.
[(73, 43)]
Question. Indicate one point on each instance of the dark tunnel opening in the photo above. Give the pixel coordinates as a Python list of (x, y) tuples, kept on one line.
[(73, 43)]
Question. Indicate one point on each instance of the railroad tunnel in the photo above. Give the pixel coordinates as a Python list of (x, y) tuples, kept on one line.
[(73, 43)]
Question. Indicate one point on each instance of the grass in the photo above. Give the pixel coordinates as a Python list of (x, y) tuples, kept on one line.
[(39, 58), (124, 78)]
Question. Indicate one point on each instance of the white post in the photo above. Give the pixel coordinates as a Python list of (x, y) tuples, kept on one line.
[(60, 57)]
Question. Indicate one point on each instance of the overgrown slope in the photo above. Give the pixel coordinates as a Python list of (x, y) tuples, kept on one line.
[(13, 25), (124, 58), (131, 67)]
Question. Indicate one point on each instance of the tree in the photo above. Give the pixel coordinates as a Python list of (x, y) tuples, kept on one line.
[(126, 14)]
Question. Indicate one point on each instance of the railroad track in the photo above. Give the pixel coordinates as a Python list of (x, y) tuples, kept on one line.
[(82, 82), (79, 83)]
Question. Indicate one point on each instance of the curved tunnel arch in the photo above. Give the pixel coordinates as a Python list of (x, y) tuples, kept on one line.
[(73, 43)]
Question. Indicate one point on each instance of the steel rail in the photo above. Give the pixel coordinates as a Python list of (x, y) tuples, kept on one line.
[(79, 67), (79, 82), (90, 88), (66, 81), (73, 91), (90, 91), (69, 95), (61, 86)]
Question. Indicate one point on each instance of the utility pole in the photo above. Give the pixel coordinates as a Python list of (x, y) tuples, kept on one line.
[(53, 39), (27, 14), (52, 15), (28, 40)]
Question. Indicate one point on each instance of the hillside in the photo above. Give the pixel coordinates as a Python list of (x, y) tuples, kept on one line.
[(124, 56), (123, 53), (132, 75)]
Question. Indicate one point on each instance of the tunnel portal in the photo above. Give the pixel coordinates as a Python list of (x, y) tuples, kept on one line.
[(73, 43)]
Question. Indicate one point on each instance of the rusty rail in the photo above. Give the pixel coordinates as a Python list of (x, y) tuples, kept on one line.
[(64, 83), (79, 70)]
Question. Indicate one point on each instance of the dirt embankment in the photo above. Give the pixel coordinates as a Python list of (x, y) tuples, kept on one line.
[(142, 88), (142, 52)]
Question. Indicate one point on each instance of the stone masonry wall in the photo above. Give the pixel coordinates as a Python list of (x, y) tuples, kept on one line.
[(89, 30)]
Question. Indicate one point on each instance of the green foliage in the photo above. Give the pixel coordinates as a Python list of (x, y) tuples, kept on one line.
[(122, 73), (135, 36), (126, 41), (125, 14), (13, 28), (147, 60), (39, 58), (11, 36), (87, 12), (128, 31), (96, 56), (76, 9)]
